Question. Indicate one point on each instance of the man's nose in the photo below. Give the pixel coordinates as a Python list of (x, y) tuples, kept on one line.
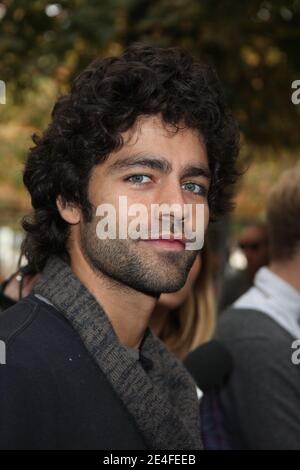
[(170, 202), (171, 193)]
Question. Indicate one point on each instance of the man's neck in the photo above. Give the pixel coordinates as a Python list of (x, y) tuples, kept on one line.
[(159, 318), (128, 310), (288, 270)]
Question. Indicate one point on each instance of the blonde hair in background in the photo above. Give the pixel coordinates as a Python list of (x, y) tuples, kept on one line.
[(193, 323)]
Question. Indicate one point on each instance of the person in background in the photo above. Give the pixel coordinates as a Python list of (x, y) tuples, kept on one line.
[(261, 401), (17, 286), (254, 243), (185, 319)]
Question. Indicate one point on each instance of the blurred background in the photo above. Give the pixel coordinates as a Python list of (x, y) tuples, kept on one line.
[(254, 45)]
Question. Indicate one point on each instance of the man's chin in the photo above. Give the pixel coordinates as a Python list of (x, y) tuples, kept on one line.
[(159, 284)]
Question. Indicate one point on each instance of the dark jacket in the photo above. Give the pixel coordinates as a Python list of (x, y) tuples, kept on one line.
[(52, 393), (261, 401)]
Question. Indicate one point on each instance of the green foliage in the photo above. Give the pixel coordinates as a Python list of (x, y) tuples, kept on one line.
[(254, 46)]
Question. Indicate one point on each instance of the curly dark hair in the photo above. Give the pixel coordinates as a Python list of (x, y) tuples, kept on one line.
[(105, 100)]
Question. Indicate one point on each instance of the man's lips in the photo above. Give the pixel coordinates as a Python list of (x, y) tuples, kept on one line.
[(170, 243)]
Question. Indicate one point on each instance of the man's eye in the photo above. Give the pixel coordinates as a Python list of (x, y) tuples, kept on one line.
[(195, 188), (139, 179)]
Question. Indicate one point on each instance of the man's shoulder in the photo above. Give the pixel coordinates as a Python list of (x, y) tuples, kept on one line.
[(31, 328), (242, 324), (17, 318), (258, 344)]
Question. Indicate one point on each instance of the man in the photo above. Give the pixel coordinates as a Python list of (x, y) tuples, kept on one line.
[(83, 368), (254, 243), (261, 401)]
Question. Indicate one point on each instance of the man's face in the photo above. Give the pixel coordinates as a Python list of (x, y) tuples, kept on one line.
[(253, 241), (155, 166)]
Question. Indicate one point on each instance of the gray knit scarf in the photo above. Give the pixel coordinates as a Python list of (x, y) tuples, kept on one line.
[(163, 400)]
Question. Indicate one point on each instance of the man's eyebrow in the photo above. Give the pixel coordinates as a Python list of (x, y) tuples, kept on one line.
[(156, 162), (149, 161), (196, 170)]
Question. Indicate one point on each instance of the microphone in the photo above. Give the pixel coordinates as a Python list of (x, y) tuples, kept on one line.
[(209, 365)]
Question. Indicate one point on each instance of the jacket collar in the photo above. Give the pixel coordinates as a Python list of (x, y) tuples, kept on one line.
[(162, 401)]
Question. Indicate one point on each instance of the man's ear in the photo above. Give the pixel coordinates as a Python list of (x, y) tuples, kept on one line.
[(69, 212)]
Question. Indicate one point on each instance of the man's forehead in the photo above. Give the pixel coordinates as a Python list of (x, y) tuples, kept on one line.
[(148, 143), (253, 231), (148, 126), (155, 123)]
